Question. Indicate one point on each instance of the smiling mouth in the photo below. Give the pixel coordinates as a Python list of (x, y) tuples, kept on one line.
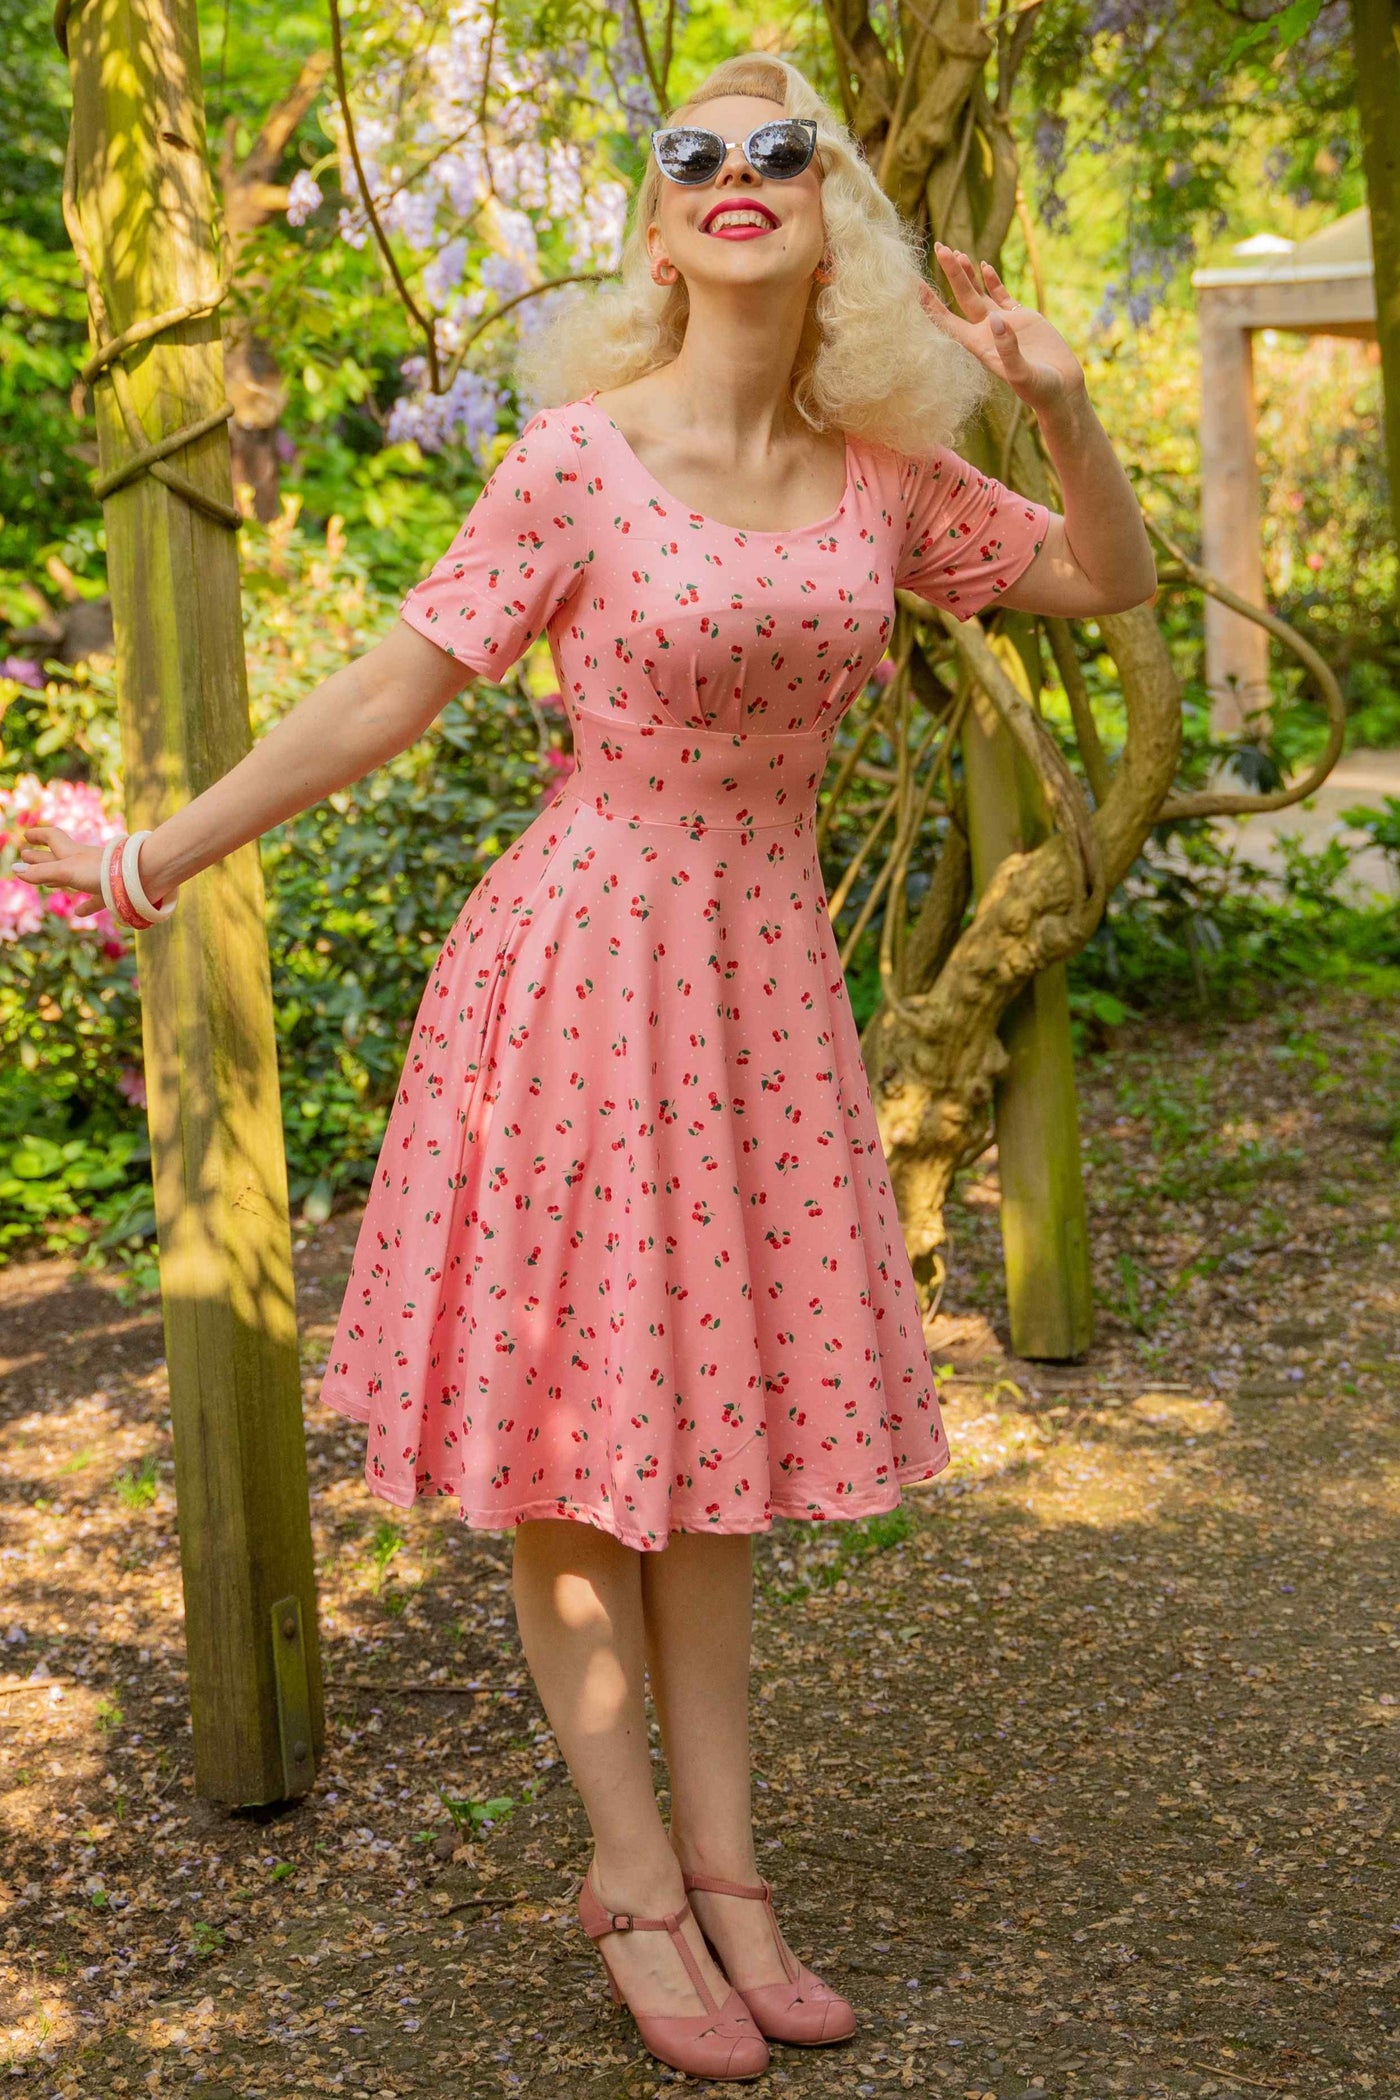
[(739, 221)]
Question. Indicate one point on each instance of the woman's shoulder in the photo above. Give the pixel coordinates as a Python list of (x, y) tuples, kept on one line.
[(890, 477), (544, 454)]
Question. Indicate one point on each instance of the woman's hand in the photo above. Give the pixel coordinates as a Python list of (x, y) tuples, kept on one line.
[(1014, 342), (49, 858)]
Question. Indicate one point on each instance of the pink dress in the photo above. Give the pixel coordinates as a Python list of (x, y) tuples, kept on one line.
[(631, 1255)]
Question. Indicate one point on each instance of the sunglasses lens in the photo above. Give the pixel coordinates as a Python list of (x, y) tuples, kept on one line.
[(689, 155), (781, 150)]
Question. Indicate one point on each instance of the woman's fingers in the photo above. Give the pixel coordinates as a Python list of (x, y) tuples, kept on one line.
[(1013, 360), (57, 873), (40, 834), (958, 270), (45, 845), (50, 859), (942, 315), (994, 285)]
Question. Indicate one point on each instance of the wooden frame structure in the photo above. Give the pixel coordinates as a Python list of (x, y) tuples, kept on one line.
[(1324, 285)]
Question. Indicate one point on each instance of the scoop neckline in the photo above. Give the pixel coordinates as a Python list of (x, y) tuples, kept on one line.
[(748, 532)]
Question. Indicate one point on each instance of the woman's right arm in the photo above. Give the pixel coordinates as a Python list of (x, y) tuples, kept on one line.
[(362, 715)]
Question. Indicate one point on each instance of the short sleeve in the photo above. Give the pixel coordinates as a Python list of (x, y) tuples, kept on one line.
[(968, 536), (517, 559)]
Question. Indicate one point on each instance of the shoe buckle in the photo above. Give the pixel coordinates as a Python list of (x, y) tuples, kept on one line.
[(621, 1920)]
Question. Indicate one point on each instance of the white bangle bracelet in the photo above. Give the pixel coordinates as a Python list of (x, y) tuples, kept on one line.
[(131, 853), (104, 874)]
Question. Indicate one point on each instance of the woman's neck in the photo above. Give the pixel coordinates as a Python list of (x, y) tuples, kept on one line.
[(732, 376)]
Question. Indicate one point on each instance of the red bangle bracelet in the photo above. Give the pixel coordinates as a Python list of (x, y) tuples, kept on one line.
[(126, 910)]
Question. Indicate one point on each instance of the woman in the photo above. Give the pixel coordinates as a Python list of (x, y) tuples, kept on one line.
[(630, 1277)]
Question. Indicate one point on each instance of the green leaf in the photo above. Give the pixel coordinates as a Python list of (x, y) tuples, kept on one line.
[(35, 1158), (1296, 20), (1286, 29)]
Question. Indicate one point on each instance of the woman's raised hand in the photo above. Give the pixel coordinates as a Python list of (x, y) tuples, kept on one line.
[(49, 858), (1015, 342)]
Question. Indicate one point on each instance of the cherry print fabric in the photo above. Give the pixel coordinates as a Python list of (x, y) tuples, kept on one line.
[(968, 534), (631, 1255)]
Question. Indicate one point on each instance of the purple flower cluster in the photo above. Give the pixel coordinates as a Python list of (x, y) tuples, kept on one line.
[(480, 168)]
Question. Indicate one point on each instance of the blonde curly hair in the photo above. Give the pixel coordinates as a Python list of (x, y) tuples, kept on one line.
[(870, 362)]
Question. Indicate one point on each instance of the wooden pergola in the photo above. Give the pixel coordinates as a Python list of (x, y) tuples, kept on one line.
[(1324, 285)]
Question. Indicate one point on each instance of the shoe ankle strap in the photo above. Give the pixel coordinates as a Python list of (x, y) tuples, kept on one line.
[(792, 1968), (628, 1921), (599, 1920), (718, 1887)]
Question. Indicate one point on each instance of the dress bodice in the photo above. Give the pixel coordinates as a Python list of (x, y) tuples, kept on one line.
[(665, 616)]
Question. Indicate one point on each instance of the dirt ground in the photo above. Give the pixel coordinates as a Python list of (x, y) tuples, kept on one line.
[(1078, 1772)]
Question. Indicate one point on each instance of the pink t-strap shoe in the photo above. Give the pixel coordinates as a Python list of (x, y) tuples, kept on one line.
[(721, 2042), (802, 2010)]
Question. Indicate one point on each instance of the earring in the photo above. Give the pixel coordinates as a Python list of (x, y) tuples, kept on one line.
[(824, 271), (664, 272)]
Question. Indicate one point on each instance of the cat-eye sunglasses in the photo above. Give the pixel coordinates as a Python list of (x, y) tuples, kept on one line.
[(779, 150)]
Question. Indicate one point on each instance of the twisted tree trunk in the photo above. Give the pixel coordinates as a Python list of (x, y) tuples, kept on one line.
[(937, 130), (939, 136)]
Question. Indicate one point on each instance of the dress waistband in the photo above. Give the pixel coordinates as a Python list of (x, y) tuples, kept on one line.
[(698, 779)]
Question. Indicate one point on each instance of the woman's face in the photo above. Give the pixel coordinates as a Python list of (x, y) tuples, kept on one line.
[(740, 228)]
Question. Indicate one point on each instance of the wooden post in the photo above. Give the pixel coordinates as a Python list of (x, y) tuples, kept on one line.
[(141, 211), (1237, 651), (1376, 33), (1045, 1235)]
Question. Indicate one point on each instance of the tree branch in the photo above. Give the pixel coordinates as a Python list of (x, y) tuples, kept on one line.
[(410, 305), (1212, 805)]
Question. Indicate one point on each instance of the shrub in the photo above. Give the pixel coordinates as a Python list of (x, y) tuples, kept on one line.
[(361, 891)]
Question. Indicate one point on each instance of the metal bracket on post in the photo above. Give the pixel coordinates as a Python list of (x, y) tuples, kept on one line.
[(293, 1698)]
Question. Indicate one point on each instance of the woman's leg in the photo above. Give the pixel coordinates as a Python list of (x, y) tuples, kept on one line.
[(578, 1605), (697, 1600)]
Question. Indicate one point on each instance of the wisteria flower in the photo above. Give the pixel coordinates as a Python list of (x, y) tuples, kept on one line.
[(304, 196), (24, 671)]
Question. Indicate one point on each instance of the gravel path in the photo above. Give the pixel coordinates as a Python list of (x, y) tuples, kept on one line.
[(1078, 1772)]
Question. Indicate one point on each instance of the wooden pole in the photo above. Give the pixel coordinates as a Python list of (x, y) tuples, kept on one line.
[(1376, 30), (1044, 1227), (140, 209), (1237, 651)]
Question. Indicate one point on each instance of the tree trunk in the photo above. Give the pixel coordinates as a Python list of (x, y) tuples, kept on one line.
[(943, 149), (251, 370), (1044, 1223), (141, 212), (1377, 31)]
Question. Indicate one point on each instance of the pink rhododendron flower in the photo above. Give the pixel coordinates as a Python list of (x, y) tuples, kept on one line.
[(132, 1084), (21, 908), (74, 806), (561, 765)]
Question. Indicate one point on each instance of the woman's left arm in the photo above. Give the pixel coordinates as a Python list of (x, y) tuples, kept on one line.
[(1096, 558)]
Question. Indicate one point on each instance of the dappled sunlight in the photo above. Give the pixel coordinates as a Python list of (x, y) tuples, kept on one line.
[(40, 2019), (1108, 1462), (1112, 1459)]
